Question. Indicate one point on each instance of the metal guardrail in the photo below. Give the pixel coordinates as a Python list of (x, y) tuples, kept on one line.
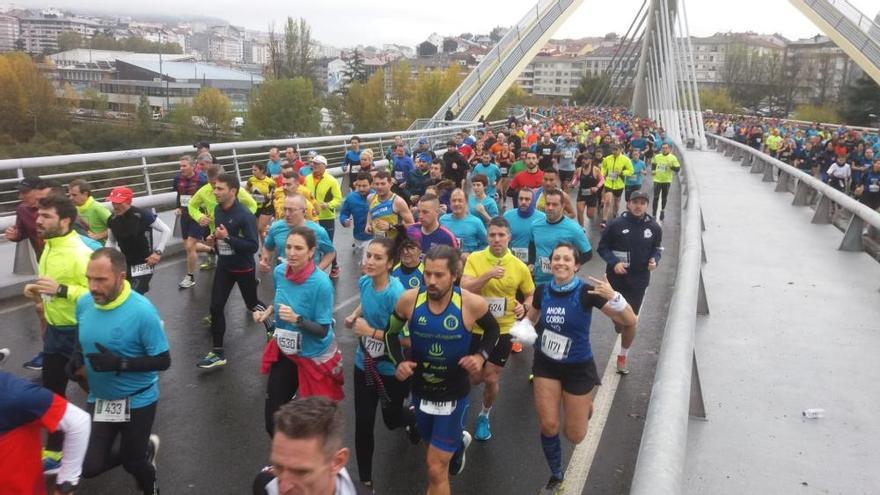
[(661, 459), (830, 203), (851, 24)]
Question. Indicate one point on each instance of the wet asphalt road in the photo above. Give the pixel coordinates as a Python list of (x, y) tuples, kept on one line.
[(211, 423)]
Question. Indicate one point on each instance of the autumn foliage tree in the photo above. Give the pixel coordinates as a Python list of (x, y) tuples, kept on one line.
[(27, 100)]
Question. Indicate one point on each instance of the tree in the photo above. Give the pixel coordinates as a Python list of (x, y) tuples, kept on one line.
[(98, 102), (817, 113), (71, 97), (27, 100), (355, 71), (144, 116), (183, 130), (861, 102), (365, 104), (69, 40), (283, 107), (590, 88), (214, 107), (497, 33), (717, 100), (432, 89), (401, 90)]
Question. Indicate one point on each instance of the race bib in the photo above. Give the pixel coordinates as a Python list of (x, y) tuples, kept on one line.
[(612, 176), (443, 408), (112, 411), (661, 168), (258, 197), (224, 248), (554, 345), (288, 341), (521, 254), (141, 270), (378, 233), (567, 155), (504, 171), (874, 188), (588, 191), (623, 256), (398, 175), (545, 264), (375, 348), (185, 199), (497, 306), (546, 151)]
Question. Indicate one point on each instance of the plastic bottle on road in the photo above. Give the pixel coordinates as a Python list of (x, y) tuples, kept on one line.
[(814, 413)]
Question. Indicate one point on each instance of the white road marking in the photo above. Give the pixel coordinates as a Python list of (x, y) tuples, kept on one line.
[(346, 302), (584, 453)]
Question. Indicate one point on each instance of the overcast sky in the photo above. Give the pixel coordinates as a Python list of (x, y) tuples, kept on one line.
[(344, 23)]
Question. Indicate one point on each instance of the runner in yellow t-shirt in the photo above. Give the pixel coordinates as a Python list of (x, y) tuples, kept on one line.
[(262, 189), (497, 275), (616, 167)]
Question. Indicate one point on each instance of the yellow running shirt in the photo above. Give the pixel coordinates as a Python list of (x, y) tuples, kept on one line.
[(500, 293)]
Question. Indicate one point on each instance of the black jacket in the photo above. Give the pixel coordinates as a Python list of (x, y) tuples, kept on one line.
[(639, 239)]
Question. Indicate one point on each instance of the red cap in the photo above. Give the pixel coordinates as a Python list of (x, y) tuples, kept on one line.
[(120, 195)]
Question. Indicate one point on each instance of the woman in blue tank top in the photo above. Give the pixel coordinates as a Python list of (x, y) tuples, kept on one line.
[(564, 370), (374, 381)]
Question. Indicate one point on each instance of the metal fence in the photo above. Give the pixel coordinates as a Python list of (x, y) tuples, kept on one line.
[(149, 172), (663, 448), (858, 222)]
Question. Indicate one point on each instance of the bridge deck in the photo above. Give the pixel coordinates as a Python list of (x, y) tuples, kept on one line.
[(793, 325)]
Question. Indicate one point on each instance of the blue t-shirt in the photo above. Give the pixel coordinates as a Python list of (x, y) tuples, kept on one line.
[(356, 207), (273, 167), (377, 308), (488, 203), (313, 300), (276, 239), (547, 236), (521, 228), (639, 143), (351, 158), (492, 172), (469, 231), (132, 329), (410, 279), (567, 154), (636, 178), (403, 166)]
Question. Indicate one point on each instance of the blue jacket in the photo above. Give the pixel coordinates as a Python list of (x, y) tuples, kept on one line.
[(356, 207), (639, 240)]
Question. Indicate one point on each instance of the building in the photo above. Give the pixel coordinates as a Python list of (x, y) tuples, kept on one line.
[(710, 52), (9, 33), (83, 68), (818, 70), (40, 33), (178, 82), (552, 76)]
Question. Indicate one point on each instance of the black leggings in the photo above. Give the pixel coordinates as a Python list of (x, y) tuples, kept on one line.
[(55, 379), (660, 188), (223, 282), (330, 226), (280, 389), (140, 284), (132, 452), (393, 413)]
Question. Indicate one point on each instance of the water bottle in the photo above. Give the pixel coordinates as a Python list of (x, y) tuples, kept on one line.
[(814, 413)]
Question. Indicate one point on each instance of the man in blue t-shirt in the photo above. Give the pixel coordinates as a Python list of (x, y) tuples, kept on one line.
[(276, 238), (355, 209), (521, 220), (273, 166), (550, 231), (490, 170), (125, 347), (470, 232)]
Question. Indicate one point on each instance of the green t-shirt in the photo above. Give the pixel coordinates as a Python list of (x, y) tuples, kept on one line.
[(663, 166), (517, 167), (94, 215)]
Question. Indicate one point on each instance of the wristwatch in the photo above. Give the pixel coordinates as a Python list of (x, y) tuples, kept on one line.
[(66, 487), (299, 319), (158, 251)]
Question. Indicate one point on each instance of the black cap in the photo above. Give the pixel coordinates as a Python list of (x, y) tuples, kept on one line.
[(450, 143), (638, 195), (29, 183), (202, 144)]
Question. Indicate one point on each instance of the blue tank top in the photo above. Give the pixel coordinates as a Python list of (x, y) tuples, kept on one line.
[(438, 342), (564, 324), (410, 280)]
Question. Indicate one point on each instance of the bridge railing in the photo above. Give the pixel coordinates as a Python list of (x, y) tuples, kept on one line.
[(831, 205), (149, 172), (674, 395), (851, 24)]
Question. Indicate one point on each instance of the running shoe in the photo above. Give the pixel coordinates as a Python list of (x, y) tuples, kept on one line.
[(212, 360), (209, 263), (187, 282), (621, 365), (553, 487), (516, 347), (51, 462), (206, 320), (456, 465), (531, 377), (483, 431), (662, 215), (602, 226), (334, 272), (35, 364)]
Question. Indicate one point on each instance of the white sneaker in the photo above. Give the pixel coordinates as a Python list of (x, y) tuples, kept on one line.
[(187, 282)]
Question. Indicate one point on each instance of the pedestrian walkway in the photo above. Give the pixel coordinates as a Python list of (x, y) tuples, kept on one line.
[(794, 324)]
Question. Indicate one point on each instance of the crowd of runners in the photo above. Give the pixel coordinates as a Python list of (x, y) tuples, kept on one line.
[(468, 253)]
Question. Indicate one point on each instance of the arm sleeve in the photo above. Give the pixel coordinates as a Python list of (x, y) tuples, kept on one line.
[(160, 362), (163, 231), (533, 252), (584, 246), (656, 249), (76, 426), (314, 328), (538, 296), (392, 339), (591, 300), (491, 332)]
